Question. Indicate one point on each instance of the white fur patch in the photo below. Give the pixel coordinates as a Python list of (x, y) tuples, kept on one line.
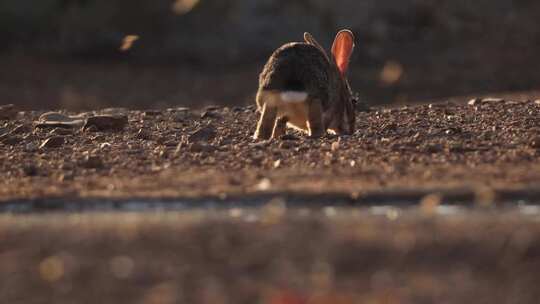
[(293, 96)]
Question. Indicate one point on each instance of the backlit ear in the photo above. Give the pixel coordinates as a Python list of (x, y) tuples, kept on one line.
[(342, 49)]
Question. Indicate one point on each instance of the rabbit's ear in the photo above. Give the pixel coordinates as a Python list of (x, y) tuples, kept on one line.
[(342, 49), (308, 38)]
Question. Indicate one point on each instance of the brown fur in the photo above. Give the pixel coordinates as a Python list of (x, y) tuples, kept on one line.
[(304, 67)]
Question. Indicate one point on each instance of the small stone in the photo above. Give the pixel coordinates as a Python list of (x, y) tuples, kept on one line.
[(537, 102), (287, 145), (105, 146), (61, 132), (201, 147), (535, 143), (92, 129), (53, 142), (433, 148), (106, 123), (11, 140), (210, 114), (7, 112), (66, 176), (474, 102), (92, 162), (492, 100), (335, 146), (111, 111), (54, 116), (260, 145), (152, 113), (143, 134), (21, 129), (264, 184), (211, 108), (289, 137), (53, 120), (207, 133), (181, 116), (65, 125), (170, 143)]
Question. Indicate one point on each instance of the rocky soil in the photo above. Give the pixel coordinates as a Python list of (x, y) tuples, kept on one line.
[(488, 145)]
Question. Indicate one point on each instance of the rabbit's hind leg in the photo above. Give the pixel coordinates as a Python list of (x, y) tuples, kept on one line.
[(315, 119), (265, 127), (280, 127)]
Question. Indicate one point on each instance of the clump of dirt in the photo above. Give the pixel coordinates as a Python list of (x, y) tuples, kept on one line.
[(180, 152)]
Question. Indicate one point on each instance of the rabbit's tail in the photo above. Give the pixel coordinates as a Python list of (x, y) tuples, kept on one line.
[(293, 96), (279, 98)]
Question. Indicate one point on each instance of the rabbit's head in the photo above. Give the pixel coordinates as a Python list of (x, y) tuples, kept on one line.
[(340, 117)]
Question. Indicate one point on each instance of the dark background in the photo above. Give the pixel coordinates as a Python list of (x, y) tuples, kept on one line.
[(62, 53)]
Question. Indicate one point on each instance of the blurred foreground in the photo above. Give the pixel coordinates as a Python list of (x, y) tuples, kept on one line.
[(251, 256)]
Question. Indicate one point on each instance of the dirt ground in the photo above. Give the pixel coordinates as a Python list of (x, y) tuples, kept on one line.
[(491, 146), (482, 155)]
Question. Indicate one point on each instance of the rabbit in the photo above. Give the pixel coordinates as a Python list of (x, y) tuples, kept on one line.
[(302, 87)]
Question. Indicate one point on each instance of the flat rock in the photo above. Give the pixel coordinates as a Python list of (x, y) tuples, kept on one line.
[(206, 133), (10, 140), (106, 123), (114, 111), (54, 116), (53, 142), (201, 147), (51, 120), (92, 162)]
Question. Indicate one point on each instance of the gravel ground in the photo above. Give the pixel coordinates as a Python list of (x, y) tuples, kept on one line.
[(488, 147)]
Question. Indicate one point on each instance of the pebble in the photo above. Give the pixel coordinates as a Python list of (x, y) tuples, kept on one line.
[(58, 120), (289, 137), (287, 145), (201, 147), (54, 116), (152, 113), (10, 140), (53, 142), (60, 132), (21, 129), (112, 112), (492, 100), (474, 102), (535, 143), (206, 133), (106, 123), (92, 162), (210, 114), (143, 134)]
